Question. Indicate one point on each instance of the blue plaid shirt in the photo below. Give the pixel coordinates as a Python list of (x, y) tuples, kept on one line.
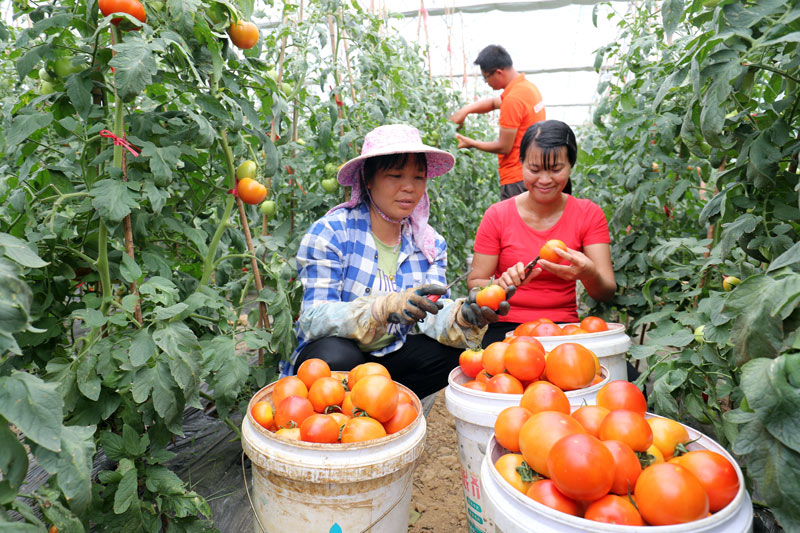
[(337, 263)]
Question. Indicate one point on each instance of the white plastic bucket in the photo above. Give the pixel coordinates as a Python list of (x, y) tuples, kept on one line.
[(609, 346), (311, 487), (475, 413), (514, 512)]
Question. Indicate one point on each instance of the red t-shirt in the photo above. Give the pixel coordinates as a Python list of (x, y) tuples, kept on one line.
[(520, 106), (503, 233)]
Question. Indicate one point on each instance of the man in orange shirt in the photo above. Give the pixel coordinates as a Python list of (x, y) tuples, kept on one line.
[(520, 105)]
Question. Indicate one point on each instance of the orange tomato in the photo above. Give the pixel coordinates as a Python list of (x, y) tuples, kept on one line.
[(292, 411), (627, 467), (668, 493), (483, 377), (541, 431), (340, 418), (133, 8), (715, 473), (376, 395), (326, 392), (262, 413), (507, 466), (362, 428), (547, 252), (319, 428), (628, 426), (570, 366), (621, 394), (581, 467), (289, 433), (524, 360), (243, 34), (544, 396), (593, 324), (504, 384), (545, 492), (568, 329), (403, 397), (475, 385), (590, 417), (667, 434), (365, 369), (403, 416), (311, 370), (526, 328), (612, 509), (288, 386), (494, 358), (507, 426), (546, 329), (250, 191), (471, 362), (491, 297), (347, 405)]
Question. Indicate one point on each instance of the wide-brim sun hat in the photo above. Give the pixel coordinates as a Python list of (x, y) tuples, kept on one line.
[(395, 139)]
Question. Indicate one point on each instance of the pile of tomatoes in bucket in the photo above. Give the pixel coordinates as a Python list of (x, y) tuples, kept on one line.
[(544, 327), (608, 462), (520, 361), (318, 405)]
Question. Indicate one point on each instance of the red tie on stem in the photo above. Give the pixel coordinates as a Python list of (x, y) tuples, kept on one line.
[(120, 141)]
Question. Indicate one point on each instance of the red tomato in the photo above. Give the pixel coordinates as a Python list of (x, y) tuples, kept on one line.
[(365, 369), (545, 492), (590, 417), (376, 395), (403, 416), (715, 473), (540, 432), (547, 252), (581, 467), (471, 362), (577, 331), (668, 493), (613, 509), (243, 34), (524, 360), (570, 366), (628, 426), (494, 358), (311, 370), (568, 329), (507, 426), (524, 338), (133, 8), (544, 396), (319, 428), (526, 328), (476, 385), (667, 434), (507, 466), (292, 411), (491, 297), (362, 428), (404, 397), (483, 377), (250, 191), (621, 395), (262, 413), (546, 329), (288, 386), (593, 324), (325, 393), (627, 468), (504, 384)]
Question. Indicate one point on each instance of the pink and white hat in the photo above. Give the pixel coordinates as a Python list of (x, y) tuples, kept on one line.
[(399, 139)]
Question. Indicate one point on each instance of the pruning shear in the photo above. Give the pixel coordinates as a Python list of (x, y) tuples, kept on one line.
[(529, 267), (435, 297)]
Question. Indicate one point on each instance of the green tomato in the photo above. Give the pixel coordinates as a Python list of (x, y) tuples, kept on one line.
[(729, 282), (273, 75), (47, 87), (63, 67), (246, 170), (44, 75), (286, 88), (268, 207), (329, 184), (330, 169), (301, 142), (698, 334)]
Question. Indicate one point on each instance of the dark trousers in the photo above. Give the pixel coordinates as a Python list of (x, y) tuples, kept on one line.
[(421, 364)]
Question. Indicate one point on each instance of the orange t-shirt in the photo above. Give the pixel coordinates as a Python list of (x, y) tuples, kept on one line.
[(521, 105)]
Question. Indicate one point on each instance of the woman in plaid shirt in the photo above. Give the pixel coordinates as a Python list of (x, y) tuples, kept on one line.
[(371, 266)]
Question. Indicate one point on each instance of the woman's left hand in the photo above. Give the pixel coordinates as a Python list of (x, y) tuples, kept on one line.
[(579, 266)]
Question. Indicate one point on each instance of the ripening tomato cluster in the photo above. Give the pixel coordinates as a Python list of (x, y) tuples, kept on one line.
[(544, 327), (519, 362), (318, 405), (607, 462)]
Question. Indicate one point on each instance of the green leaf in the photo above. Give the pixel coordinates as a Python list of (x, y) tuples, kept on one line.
[(133, 445), (112, 199), (129, 269), (13, 463), (23, 126), (229, 371), (766, 385), (88, 381), (112, 445), (755, 333), (19, 251), (729, 237), (127, 492), (135, 66), (34, 406), (162, 480), (184, 358), (79, 90), (49, 500), (158, 197), (162, 160), (142, 348), (671, 11), (165, 313), (73, 465)]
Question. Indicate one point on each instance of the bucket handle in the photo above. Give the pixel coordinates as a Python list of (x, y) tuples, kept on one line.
[(373, 524)]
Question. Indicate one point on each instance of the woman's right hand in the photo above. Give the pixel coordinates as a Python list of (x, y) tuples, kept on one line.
[(515, 276)]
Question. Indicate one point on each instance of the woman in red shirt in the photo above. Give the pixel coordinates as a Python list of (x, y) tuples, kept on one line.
[(512, 232)]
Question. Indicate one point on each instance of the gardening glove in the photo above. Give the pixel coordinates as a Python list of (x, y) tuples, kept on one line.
[(408, 306), (473, 315)]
